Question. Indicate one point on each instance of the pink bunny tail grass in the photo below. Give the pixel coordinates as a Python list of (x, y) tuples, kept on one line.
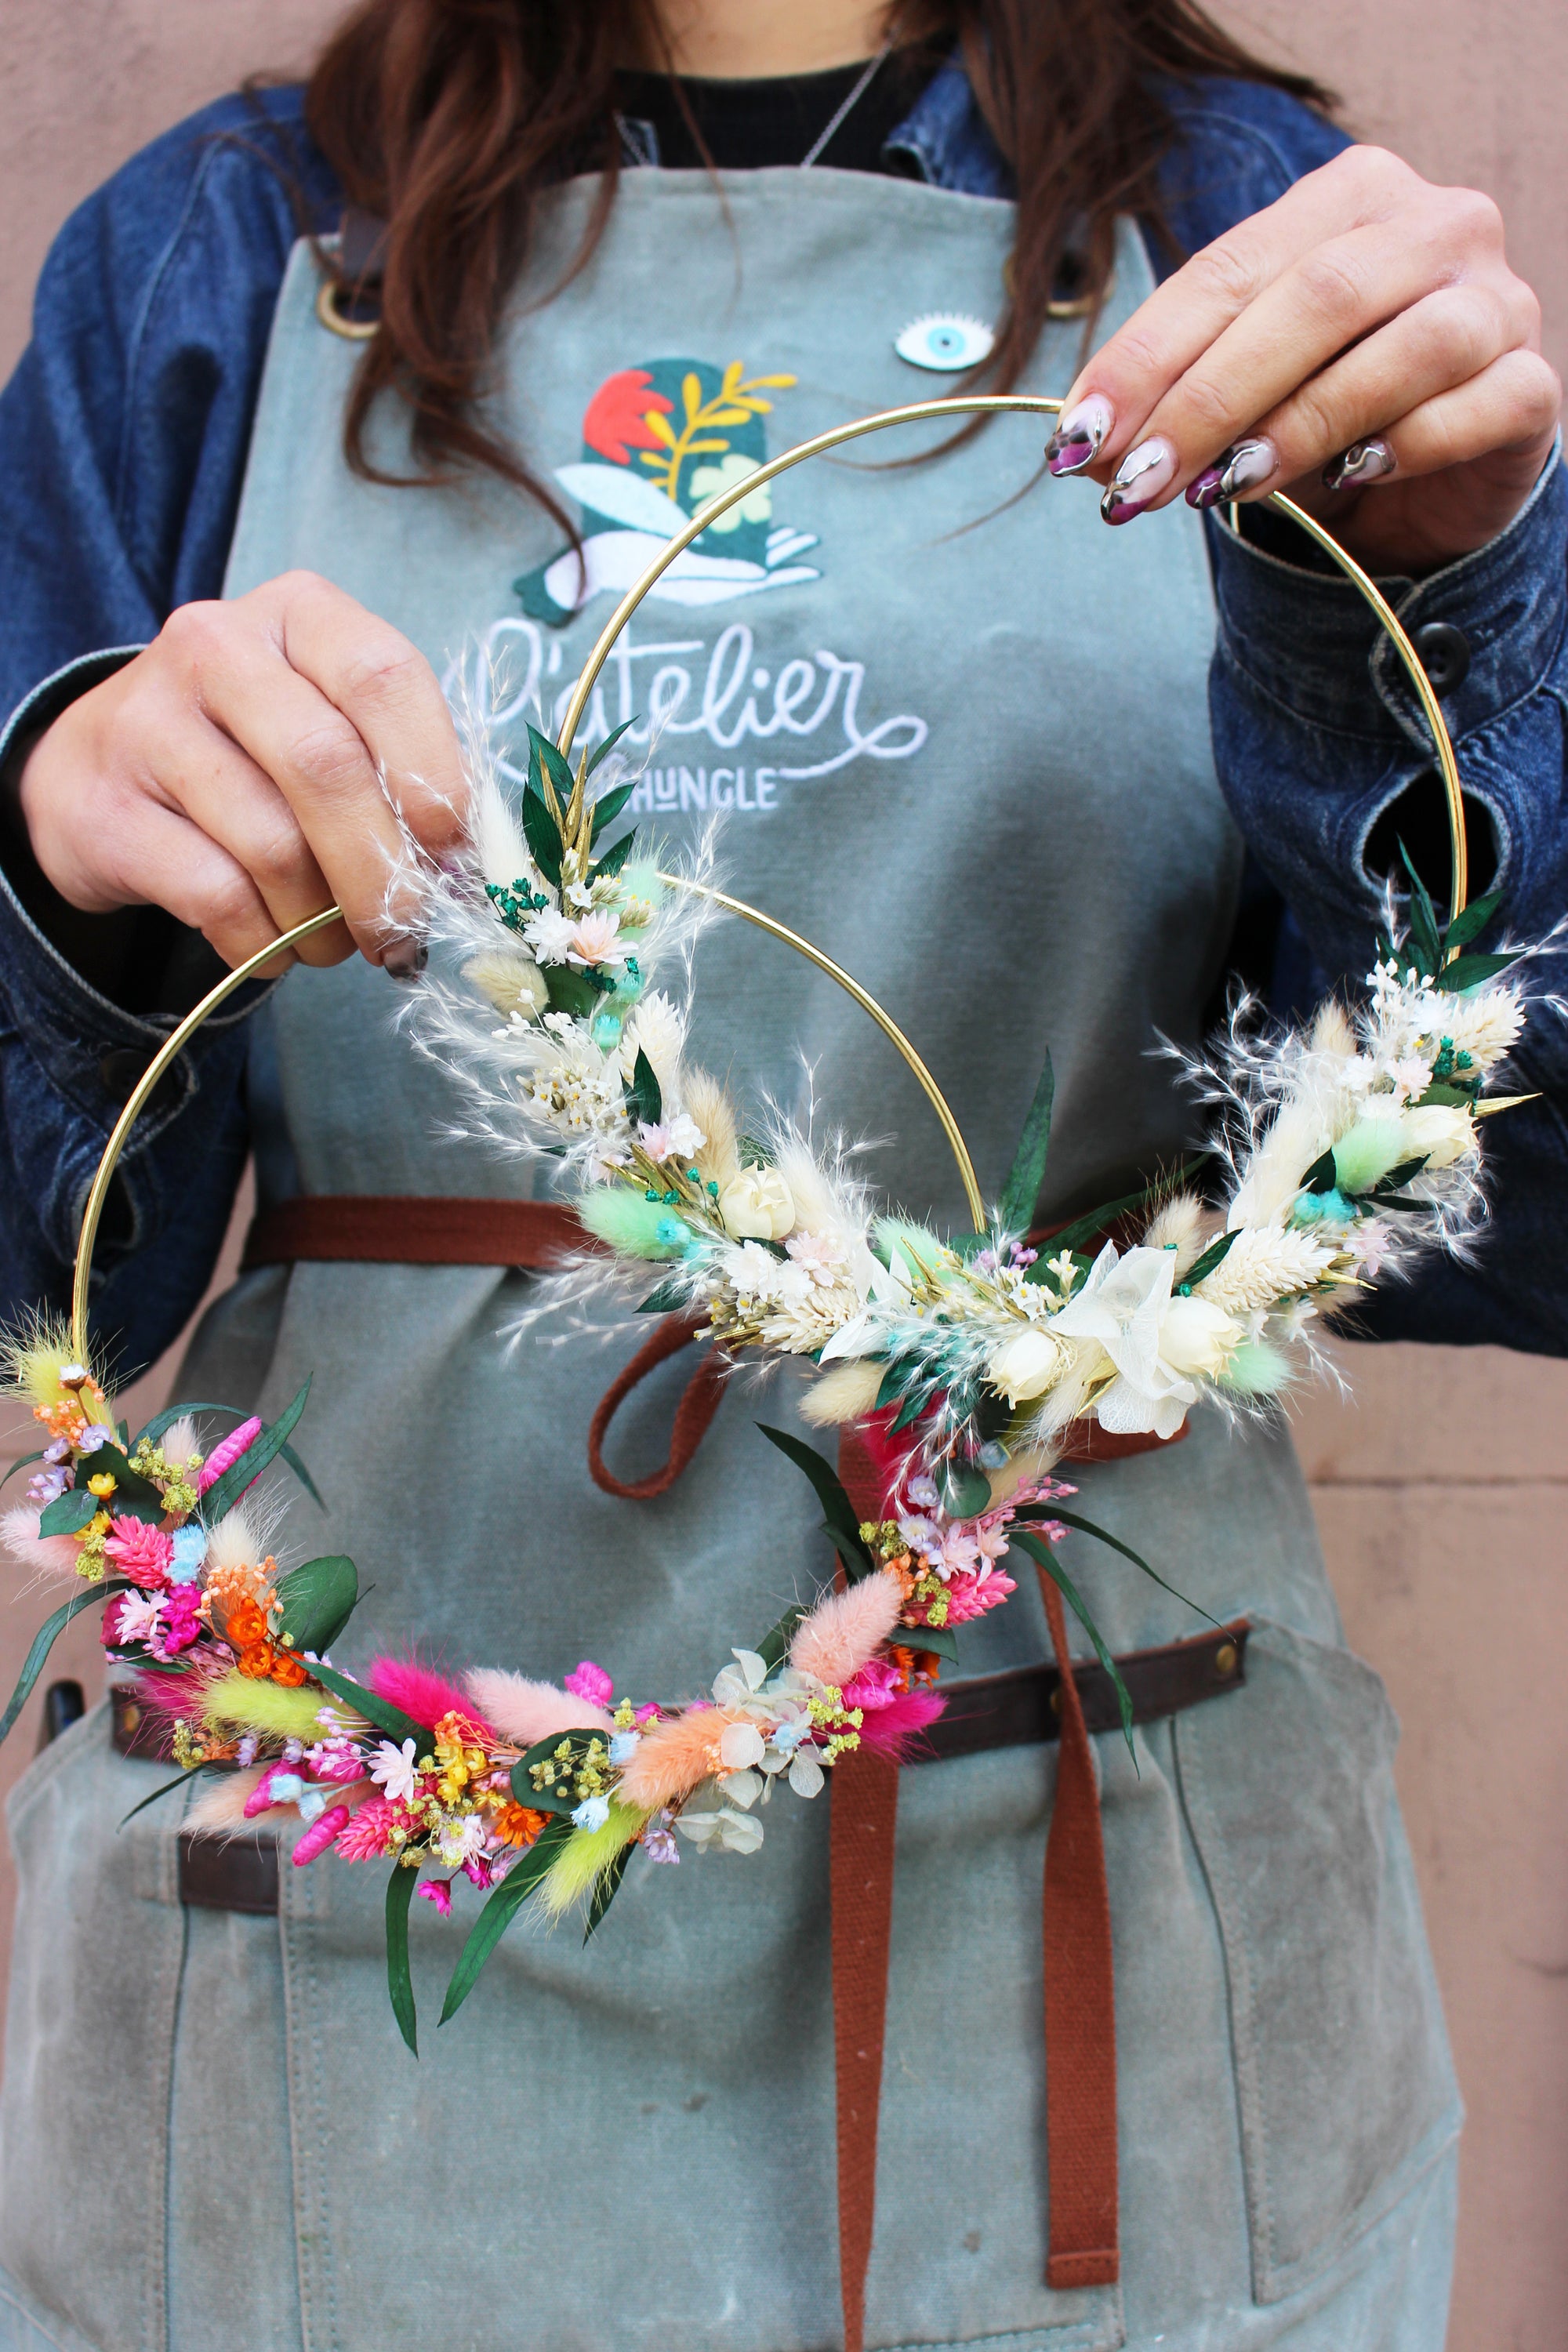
[(528, 1711), (320, 1835), (847, 1629), (424, 1694), (675, 1756), (47, 1555), (227, 1453), (894, 1729), (175, 1698)]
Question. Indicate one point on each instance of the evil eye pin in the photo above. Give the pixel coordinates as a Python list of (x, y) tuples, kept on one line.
[(946, 342)]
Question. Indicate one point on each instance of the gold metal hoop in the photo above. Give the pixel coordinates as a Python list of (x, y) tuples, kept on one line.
[(915, 412)]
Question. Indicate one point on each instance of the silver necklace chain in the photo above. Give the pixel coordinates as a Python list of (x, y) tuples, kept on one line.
[(841, 115)]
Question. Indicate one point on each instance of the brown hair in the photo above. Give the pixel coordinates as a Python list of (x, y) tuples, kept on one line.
[(445, 119)]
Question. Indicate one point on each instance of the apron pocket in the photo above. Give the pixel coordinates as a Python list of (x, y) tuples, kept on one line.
[(1345, 2084)]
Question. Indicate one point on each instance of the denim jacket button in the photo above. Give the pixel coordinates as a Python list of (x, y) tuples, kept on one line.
[(1445, 653)]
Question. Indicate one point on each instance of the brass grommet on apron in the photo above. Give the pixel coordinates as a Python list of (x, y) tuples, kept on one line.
[(353, 331)]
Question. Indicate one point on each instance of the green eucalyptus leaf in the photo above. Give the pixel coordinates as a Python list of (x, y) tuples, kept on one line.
[(1439, 1096), (1202, 1267), (603, 751), (1322, 1176), (908, 1413), (501, 1907), (1470, 970), (607, 1888), (895, 1380), (317, 1599), (1471, 921), (69, 1512), (543, 757), (838, 1513), (571, 991), (47, 1634), (614, 859), (258, 1456), (1041, 1552), (544, 841), (939, 1639), (1398, 1176), (966, 1492), (669, 1299), (552, 1800), (400, 1890), (608, 808), (1423, 934), (1027, 1173), (644, 1098)]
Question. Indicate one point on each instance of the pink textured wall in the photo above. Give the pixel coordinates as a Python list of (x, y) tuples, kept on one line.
[(1441, 1489)]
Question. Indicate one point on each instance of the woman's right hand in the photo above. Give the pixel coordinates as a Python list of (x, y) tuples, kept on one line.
[(244, 771)]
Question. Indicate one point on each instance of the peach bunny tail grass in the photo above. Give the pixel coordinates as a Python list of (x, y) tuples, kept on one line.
[(221, 1805), (54, 1555), (846, 1630), (675, 1756), (528, 1711)]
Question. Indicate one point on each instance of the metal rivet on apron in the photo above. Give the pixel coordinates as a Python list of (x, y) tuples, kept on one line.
[(1224, 1658), (945, 341)]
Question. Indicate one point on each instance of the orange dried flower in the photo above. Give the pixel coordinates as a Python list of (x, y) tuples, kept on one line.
[(256, 1661), (519, 1824), (245, 1624), (288, 1669)]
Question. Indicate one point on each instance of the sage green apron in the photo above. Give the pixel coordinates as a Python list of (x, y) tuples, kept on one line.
[(959, 738)]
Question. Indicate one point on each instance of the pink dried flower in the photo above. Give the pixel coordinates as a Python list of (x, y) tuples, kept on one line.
[(477, 1872), (437, 1891), (321, 1834), (591, 1683), (972, 1596), (227, 1453), (143, 1553), (181, 1627), (368, 1835), (875, 1685)]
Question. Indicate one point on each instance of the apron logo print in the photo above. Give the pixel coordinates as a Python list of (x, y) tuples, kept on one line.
[(657, 442)]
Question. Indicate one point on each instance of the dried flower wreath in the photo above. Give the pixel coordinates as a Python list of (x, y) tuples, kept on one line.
[(1338, 1153)]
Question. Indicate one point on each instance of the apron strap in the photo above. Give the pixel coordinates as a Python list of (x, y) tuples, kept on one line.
[(693, 1414), (1081, 2003), (1080, 1992)]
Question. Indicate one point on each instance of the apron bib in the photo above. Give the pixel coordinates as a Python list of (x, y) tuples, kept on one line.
[(962, 744)]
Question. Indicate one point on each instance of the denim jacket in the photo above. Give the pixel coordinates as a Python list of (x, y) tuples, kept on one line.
[(123, 437)]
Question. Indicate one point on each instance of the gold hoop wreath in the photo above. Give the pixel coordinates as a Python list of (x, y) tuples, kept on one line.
[(961, 1364)]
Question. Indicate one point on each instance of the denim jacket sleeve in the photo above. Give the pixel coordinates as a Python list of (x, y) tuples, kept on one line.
[(123, 444)]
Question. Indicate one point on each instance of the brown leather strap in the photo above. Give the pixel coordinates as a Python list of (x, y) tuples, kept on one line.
[(862, 1825), (692, 1414), (1080, 2004), (405, 1230)]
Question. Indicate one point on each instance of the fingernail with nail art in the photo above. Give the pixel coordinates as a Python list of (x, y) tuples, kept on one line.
[(1364, 461), (405, 957), (1245, 465), (1079, 435), (1142, 473)]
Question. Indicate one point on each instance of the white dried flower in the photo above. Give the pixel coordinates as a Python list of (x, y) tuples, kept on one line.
[(757, 1206), (1265, 1263)]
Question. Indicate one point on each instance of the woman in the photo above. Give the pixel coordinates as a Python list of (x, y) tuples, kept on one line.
[(963, 745)]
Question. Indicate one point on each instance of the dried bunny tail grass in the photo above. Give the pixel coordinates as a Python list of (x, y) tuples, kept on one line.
[(527, 1711), (675, 1756), (844, 1392), (656, 1027), (584, 1858), (180, 1440), (711, 1106), (221, 1805), (45, 1555), (844, 1631), (234, 1700), (1179, 1226), (241, 1538)]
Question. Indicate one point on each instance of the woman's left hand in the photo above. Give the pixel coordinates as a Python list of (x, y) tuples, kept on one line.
[(1362, 344)]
